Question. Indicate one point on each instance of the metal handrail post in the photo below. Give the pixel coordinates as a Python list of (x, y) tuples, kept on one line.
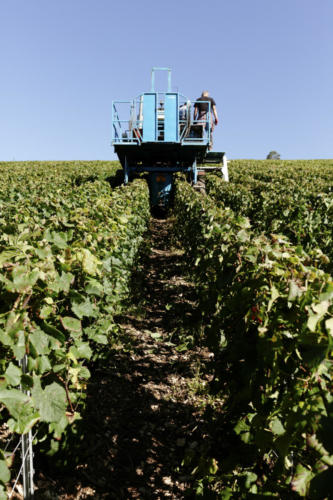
[(169, 80), (126, 171), (112, 121), (224, 168), (195, 172), (209, 121), (153, 80), (153, 77)]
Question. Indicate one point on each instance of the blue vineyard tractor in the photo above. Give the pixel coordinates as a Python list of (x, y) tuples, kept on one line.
[(156, 133)]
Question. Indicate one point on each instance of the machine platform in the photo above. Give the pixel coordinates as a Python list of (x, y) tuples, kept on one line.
[(156, 153)]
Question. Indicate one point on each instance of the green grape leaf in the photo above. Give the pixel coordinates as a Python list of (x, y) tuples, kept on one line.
[(24, 280), (4, 473), (50, 402), (301, 480), (294, 291), (7, 256), (329, 326), (277, 427), (40, 341), (45, 311), (90, 263), (13, 374), (20, 407), (71, 324), (43, 364), (81, 350), (62, 283), (94, 288), (19, 348), (82, 309), (59, 240)]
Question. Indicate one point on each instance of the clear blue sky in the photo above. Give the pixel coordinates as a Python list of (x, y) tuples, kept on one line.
[(267, 63)]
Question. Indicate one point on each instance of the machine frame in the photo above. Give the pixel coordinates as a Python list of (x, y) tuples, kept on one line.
[(155, 133)]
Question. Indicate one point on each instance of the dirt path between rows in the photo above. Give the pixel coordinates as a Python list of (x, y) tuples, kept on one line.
[(144, 408)]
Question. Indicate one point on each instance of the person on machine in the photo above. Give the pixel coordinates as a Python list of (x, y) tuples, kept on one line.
[(201, 111)]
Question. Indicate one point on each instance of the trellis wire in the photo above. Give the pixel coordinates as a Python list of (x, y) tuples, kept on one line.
[(27, 468)]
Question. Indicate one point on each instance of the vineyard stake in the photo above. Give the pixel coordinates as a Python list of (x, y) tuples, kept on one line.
[(27, 454)]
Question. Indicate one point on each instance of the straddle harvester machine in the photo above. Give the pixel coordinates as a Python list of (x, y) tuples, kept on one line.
[(156, 133)]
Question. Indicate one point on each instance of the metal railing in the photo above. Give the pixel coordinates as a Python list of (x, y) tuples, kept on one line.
[(129, 129)]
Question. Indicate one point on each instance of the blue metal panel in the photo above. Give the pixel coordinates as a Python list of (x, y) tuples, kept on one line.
[(149, 117), (171, 117)]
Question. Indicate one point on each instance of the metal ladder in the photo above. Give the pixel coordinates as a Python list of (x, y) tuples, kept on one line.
[(215, 161)]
